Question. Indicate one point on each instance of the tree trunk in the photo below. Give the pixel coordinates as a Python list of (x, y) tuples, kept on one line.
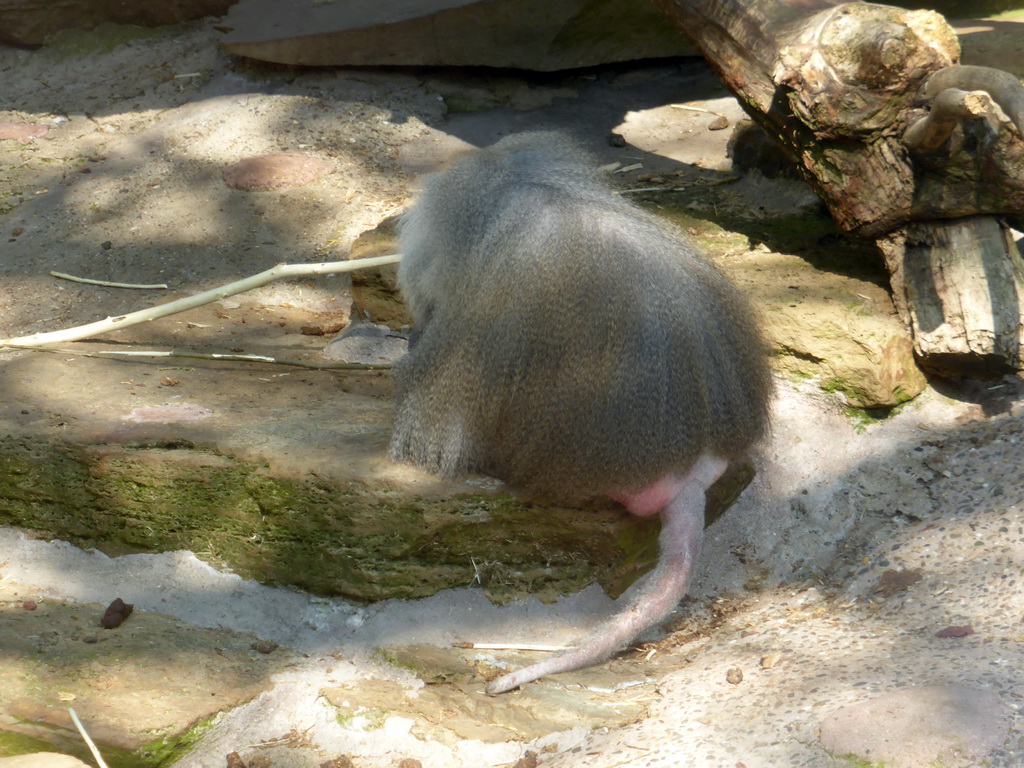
[(844, 87)]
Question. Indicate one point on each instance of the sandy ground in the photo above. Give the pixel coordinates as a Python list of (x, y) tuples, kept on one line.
[(792, 590)]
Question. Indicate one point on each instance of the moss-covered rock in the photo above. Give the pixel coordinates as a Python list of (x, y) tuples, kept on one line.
[(823, 296), (351, 540)]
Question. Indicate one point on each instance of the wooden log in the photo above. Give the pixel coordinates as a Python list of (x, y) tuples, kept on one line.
[(959, 287), (835, 83), (902, 144)]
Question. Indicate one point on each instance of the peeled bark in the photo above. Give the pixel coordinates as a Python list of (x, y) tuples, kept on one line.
[(901, 143)]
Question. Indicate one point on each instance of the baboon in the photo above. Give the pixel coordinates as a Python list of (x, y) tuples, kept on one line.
[(574, 346)]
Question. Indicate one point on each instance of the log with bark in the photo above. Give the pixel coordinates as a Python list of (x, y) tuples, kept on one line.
[(902, 143)]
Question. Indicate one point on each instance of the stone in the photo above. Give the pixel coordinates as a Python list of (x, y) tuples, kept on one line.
[(452, 704), (367, 344), (375, 290), (840, 330), (949, 725), (543, 35), (29, 22), (153, 676)]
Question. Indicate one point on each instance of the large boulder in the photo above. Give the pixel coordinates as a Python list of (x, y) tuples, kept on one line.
[(543, 35), (29, 22)]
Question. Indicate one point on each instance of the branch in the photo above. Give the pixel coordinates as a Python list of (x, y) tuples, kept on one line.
[(951, 106), (1004, 88), (100, 354), (279, 272), (237, 359)]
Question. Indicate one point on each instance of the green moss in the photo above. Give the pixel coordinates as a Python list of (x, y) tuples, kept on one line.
[(853, 761), (855, 394), (373, 719), (12, 744), (360, 542), (389, 657), (639, 544), (838, 385), (862, 418), (343, 719), (167, 750), (49, 739), (104, 38)]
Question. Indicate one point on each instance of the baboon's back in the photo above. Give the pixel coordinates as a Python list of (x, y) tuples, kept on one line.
[(568, 342)]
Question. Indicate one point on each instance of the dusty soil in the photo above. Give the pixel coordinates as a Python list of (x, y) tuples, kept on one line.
[(824, 585)]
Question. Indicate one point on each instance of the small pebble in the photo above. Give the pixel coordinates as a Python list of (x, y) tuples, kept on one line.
[(734, 676), (529, 760), (770, 660), (893, 581), (30, 605), (963, 631)]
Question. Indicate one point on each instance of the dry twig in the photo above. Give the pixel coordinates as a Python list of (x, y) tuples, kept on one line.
[(92, 747), (240, 359), (509, 647), (280, 272), (107, 283)]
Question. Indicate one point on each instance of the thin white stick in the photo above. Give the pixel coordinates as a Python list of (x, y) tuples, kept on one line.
[(509, 647), (101, 353), (107, 283), (279, 272), (241, 359), (633, 191), (92, 747), (696, 109)]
